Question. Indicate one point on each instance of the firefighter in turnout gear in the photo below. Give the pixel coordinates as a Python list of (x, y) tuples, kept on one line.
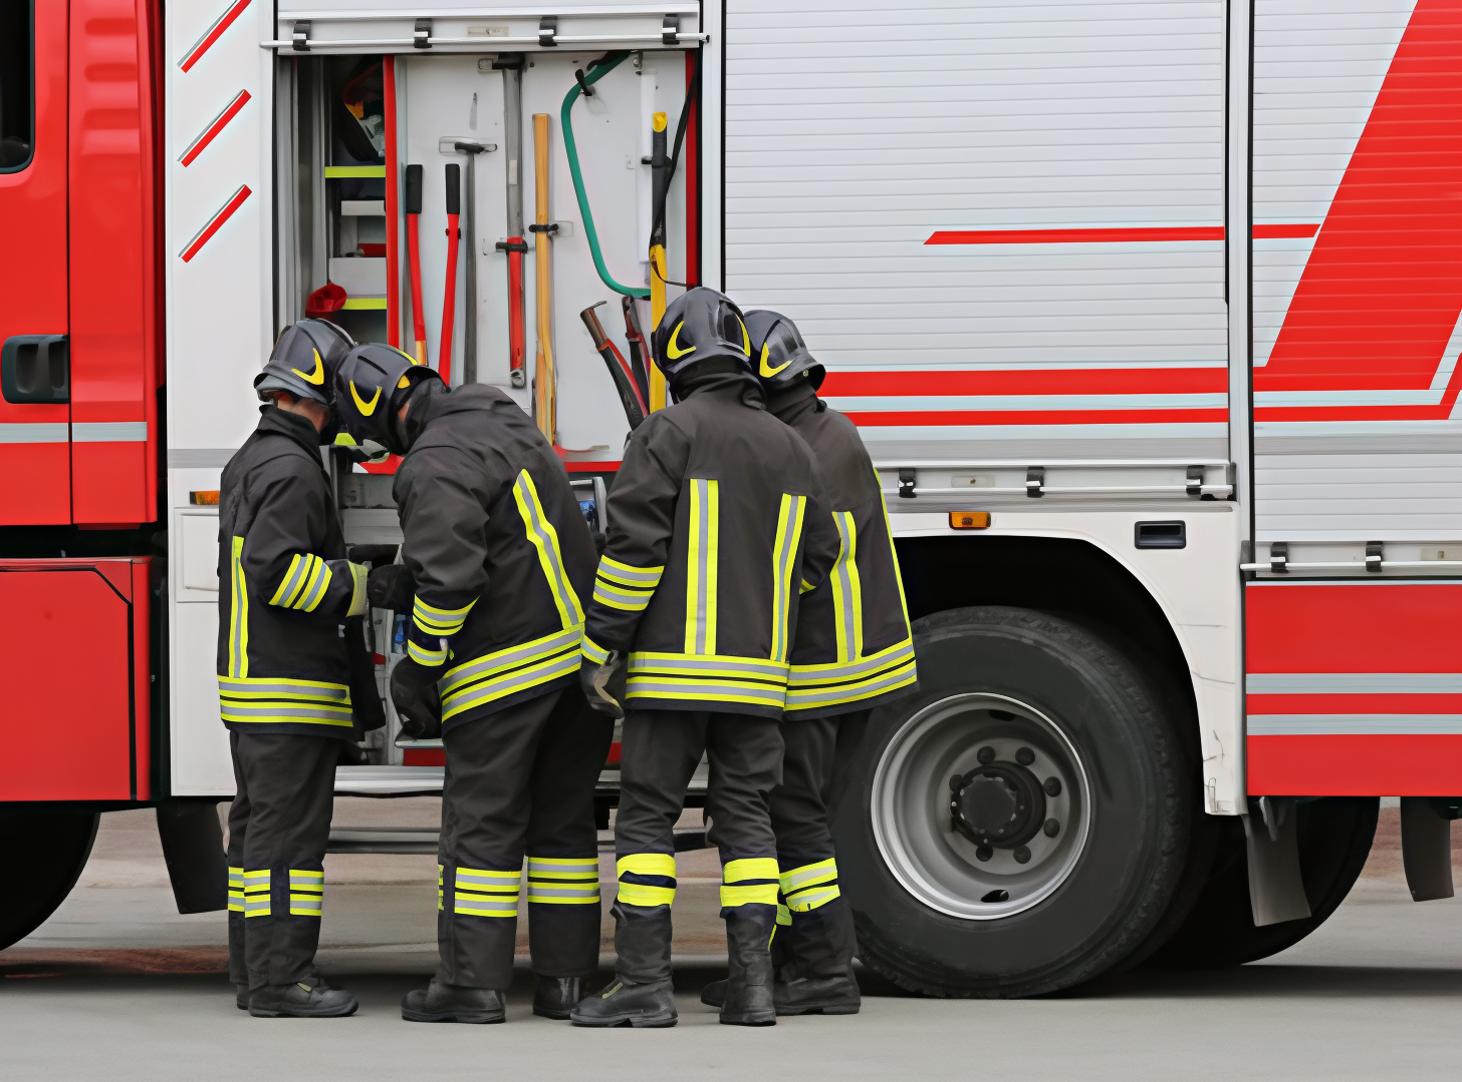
[(285, 676), (714, 529), (497, 564), (852, 651)]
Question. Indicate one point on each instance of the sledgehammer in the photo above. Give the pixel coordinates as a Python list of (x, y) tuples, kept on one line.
[(471, 148)]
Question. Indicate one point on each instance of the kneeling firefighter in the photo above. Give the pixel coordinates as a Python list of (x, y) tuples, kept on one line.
[(714, 526), (852, 652), (288, 598), (496, 559)]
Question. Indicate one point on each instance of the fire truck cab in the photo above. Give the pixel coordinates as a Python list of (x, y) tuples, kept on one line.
[(1148, 313)]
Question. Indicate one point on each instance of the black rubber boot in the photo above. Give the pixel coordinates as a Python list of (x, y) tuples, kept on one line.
[(554, 997), (641, 994), (748, 999), (439, 1002), (801, 995), (241, 996), (303, 999)]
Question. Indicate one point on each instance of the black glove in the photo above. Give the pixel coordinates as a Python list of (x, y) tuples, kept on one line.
[(375, 555), (418, 704), (603, 685), (391, 587)]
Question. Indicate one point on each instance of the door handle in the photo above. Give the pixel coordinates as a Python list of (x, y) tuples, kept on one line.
[(35, 369)]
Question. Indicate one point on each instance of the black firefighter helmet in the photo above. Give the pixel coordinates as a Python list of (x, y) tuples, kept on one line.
[(304, 361), (372, 383), (700, 325), (778, 351)]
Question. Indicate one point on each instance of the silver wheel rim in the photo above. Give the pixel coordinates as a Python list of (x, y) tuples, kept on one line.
[(911, 802)]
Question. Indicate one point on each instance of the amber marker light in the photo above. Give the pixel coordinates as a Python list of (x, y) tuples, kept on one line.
[(969, 520), (208, 497)]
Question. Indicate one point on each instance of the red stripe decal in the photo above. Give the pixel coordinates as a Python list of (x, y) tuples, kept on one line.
[(1113, 235), (211, 132), (215, 223), (1353, 765), (1391, 705), (1063, 381), (1375, 628), (215, 32)]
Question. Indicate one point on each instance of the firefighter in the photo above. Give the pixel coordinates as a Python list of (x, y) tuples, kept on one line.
[(497, 564), (852, 651), (714, 527), (285, 676)]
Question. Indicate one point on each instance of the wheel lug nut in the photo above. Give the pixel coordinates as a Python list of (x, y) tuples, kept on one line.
[(1025, 757), (1053, 786), (956, 783), (986, 755), (1052, 828), (983, 853), (1022, 855)]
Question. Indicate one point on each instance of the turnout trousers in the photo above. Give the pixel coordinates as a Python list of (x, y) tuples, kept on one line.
[(815, 931), (520, 783), (278, 827), (660, 753)]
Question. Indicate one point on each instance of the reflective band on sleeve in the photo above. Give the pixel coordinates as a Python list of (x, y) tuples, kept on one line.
[(439, 622), (749, 868), (752, 894), (624, 598), (847, 589), (612, 570), (423, 656), (544, 538), (784, 566), (809, 875), (290, 584), (238, 614), (644, 896), (315, 586), (702, 563), (594, 652)]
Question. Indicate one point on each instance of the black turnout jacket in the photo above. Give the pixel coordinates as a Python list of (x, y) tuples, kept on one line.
[(285, 587), (715, 527), (499, 549), (853, 649)]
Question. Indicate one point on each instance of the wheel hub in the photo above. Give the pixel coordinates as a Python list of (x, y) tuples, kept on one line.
[(1000, 804)]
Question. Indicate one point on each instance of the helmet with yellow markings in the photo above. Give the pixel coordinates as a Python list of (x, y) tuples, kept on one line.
[(304, 361), (701, 325), (370, 387), (778, 352)]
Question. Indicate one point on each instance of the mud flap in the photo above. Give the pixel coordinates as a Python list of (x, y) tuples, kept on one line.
[(1426, 849), (192, 845), (1276, 889)]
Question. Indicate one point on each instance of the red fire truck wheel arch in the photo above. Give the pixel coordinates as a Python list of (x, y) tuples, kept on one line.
[(75, 662), (1354, 689)]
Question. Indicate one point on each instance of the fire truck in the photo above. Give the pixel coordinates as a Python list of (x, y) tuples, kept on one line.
[(1148, 311)]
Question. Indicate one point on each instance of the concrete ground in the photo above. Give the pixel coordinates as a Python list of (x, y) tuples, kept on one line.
[(118, 986)]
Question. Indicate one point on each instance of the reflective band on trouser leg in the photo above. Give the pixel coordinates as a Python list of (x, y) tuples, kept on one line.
[(784, 916), (563, 880), (810, 886), (235, 890), (306, 892), (749, 881), (702, 563), (440, 896), (486, 892), (256, 893), (847, 590), (646, 880), (544, 538), (784, 564)]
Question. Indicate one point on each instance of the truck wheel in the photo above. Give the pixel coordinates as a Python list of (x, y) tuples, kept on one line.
[(1335, 840), (46, 851), (1018, 826)]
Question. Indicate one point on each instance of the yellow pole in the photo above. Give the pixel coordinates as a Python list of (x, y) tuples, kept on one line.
[(660, 165), (545, 404)]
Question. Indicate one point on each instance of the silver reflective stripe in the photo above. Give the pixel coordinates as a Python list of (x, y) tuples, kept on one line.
[(644, 684), (702, 568), (256, 905), (829, 674), (1354, 683), (298, 567), (282, 710), (471, 907), (813, 698), (547, 545), (625, 595), (631, 576), (771, 669), (558, 890), (265, 686), (497, 689), (508, 881), (109, 431), (812, 899), (793, 880), (1354, 724), (312, 903), (786, 551), (34, 432), (562, 640), (843, 600)]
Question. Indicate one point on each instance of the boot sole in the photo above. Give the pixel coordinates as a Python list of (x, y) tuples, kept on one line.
[(633, 1021), (270, 1012), (759, 1018), (819, 1008), (557, 1016), (474, 1018)]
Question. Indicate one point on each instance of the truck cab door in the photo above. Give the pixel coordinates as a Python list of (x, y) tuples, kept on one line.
[(35, 411)]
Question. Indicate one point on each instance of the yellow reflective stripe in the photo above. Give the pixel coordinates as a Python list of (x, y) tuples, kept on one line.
[(806, 587), (814, 899), (784, 916), (784, 565), (422, 656), (311, 597), (755, 894), (504, 875), (289, 581), (531, 676), (238, 614), (594, 652), (611, 568), (827, 672), (681, 693), (898, 576), (808, 875), (646, 896), (739, 871), (847, 590), (303, 585), (424, 608), (662, 864), (554, 642), (622, 598), (806, 698), (544, 538), (242, 686), (702, 559)]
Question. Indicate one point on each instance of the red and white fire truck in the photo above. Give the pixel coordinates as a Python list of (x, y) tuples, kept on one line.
[(1147, 309)]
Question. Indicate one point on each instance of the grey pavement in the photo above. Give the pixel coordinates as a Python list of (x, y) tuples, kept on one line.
[(118, 986)]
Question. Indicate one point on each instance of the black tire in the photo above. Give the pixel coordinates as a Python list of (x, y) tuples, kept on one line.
[(51, 847), (1335, 840), (1126, 874)]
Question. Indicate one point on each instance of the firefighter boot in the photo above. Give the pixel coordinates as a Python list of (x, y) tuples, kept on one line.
[(554, 997), (439, 1002), (714, 994), (241, 996), (311, 998), (641, 994), (748, 1000), (821, 945)]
